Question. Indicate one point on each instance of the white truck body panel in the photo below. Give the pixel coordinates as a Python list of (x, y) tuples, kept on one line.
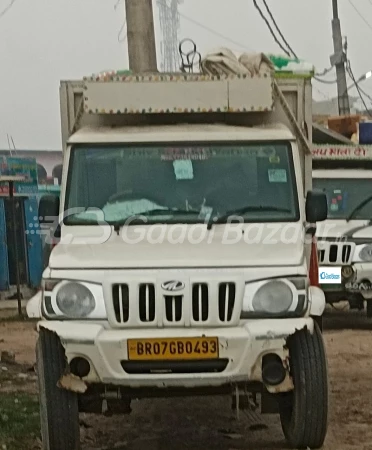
[(164, 93), (296, 91)]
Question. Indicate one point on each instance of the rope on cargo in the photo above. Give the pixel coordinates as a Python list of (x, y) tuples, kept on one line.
[(190, 56), (79, 114)]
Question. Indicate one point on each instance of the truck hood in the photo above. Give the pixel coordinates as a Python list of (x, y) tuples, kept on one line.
[(243, 246), (341, 229)]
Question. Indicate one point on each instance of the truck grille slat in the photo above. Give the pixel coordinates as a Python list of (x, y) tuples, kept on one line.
[(173, 308), (146, 302), (120, 294), (226, 301), (346, 251), (200, 302)]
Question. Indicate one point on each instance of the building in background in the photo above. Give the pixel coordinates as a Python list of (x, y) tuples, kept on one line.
[(49, 163), (47, 169)]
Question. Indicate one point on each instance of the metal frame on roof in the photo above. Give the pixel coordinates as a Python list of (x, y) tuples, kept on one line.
[(163, 93)]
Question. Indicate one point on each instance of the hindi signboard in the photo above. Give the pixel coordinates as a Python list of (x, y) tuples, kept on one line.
[(342, 152), (19, 167)]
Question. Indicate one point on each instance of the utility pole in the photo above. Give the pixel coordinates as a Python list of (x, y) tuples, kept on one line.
[(141, 36), (338, 59)]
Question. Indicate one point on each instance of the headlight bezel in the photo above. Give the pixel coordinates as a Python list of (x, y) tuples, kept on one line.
[(365, 248), (300, 298), (51, 311)]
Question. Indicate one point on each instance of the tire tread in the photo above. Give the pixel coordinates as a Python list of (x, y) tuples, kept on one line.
[(306, 426), (58, 407)]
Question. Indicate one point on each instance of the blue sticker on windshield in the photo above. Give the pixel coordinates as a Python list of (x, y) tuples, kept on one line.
[(183, 169), (277, 175)]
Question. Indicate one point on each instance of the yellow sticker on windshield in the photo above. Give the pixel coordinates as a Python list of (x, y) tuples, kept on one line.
[(274, 159)]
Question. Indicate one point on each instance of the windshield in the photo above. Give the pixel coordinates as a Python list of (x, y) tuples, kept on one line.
[(182, 183), (344, 195)]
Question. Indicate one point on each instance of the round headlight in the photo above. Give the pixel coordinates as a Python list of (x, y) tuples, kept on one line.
[(274, 297), (366, 253), (75, 300), (347, 272)]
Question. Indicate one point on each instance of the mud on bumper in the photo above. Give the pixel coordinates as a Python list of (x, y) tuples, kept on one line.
[(241, 350)]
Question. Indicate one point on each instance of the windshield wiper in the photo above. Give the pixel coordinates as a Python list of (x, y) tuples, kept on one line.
[(245, 210), (358, 208), (154, 212)]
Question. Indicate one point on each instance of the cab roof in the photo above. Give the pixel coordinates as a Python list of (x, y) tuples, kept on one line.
[(180, 133)]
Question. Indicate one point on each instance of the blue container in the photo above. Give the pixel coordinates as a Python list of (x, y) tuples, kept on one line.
[(365, 133)]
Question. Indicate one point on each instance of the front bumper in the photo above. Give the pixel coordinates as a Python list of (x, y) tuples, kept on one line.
[(243, 347), (362, 281)]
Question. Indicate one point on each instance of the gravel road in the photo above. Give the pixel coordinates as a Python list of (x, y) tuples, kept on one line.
[(209, 423)]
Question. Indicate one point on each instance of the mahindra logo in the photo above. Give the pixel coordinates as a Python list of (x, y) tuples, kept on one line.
[(173, 286)]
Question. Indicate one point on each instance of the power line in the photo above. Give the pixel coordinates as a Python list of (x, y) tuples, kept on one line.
[(7, 8), (350, 72), (323, 94), (361, 15), (362, 90), (278, 29), (324, 81), (121, 38), (365, 93), (270, 29), (325, 71), (123, 26), (190, 19)]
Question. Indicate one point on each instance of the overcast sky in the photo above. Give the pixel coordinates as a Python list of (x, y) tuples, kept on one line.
[(43, 41)]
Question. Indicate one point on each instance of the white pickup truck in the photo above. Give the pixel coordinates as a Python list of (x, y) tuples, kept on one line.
[(344, 173), (156, 287)]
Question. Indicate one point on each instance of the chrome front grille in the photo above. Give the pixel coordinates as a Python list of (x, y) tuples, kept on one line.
[(335, 253), (200, 303)]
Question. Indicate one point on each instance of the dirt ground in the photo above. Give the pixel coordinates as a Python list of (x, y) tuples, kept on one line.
[(209, 423)]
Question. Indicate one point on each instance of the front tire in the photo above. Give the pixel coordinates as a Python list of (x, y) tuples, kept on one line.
[(59, 414), (304, 411)]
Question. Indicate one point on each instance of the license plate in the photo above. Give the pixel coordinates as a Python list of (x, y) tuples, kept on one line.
[(173, 349)]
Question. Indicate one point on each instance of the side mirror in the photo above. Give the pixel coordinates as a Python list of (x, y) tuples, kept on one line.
[(316, 206), (48, 209)]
